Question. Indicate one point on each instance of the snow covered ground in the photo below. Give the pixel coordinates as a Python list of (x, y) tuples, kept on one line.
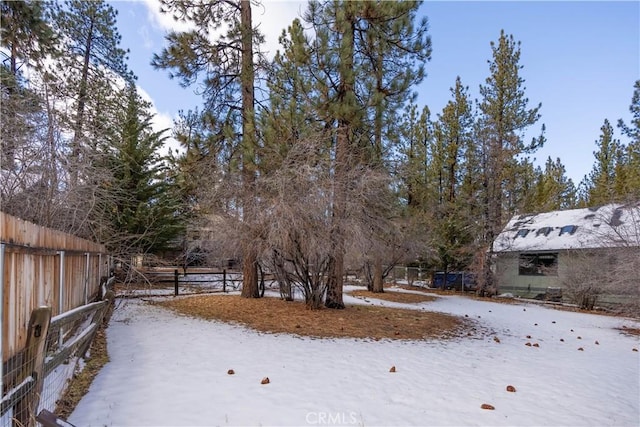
[(172, 370)]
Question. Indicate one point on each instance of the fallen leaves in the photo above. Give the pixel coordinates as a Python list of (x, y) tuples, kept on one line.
[(273, 315)]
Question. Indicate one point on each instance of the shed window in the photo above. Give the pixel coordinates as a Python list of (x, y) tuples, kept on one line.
[(544, 230), (568, 229), (538, 264)]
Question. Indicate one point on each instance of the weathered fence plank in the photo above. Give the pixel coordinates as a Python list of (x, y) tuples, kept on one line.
[(42, 267), (26, 407)]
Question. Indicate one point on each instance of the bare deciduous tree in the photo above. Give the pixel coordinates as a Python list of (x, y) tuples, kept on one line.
[(610, 274)]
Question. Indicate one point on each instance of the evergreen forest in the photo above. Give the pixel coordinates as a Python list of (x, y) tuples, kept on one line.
[(308, 164)]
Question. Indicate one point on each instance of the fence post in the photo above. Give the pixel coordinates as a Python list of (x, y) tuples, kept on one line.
[(1, 317), (224, 280), (100, 266), (86, 280), (175, 281), (61, 297), (26, 407)]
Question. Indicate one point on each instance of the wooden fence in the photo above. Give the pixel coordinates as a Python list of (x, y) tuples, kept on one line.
[(42, 267)]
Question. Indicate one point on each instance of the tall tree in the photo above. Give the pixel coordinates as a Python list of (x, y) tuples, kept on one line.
[(632, 131), (416, 133), (374, 41), (348, 115), (454, 130), (453, 133), (225, 64), (27, 38), (25, 32), (553, 189), (93, 61), (140, 198), (601, 182), (504, 117), (395, 50), (294, 181)]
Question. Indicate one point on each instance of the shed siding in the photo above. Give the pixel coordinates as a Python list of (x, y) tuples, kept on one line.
[(510, 281)]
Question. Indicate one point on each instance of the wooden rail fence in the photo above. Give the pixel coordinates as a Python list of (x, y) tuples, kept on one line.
[(41, 267)]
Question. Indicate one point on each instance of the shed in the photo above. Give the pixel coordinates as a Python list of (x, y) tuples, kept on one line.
[(537, 254)]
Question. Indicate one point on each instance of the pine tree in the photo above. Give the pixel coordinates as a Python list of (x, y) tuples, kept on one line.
[(294, 183), (140, 202), (632, 154), (454, 129), (27, 38), (224, 63), (352, 44), (291, 117), (554, 190), (416, 133), (602, 185), (25, 32), (450, 215), (504, 117), (91, 65), (395, 51)]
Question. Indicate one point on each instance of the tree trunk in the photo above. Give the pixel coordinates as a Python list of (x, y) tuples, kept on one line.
[(346, 96), (250, 287), (378, 280), (82, 99), (335, 285), (249, 259)]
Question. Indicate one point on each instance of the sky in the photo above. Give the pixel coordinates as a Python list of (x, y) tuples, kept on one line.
[(580, 60), (167, 369)]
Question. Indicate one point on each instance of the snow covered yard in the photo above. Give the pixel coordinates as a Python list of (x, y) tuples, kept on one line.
[(172, 370)]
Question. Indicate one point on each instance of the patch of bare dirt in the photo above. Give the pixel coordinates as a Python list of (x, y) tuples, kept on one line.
[(273, 315)]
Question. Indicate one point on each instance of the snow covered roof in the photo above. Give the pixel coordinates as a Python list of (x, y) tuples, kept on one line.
[(613, 225)]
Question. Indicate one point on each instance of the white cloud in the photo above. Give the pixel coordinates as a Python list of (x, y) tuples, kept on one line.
[(147, 41), (165, 121), (273, 16), (270, 16), (163, 21), (162, 121)]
